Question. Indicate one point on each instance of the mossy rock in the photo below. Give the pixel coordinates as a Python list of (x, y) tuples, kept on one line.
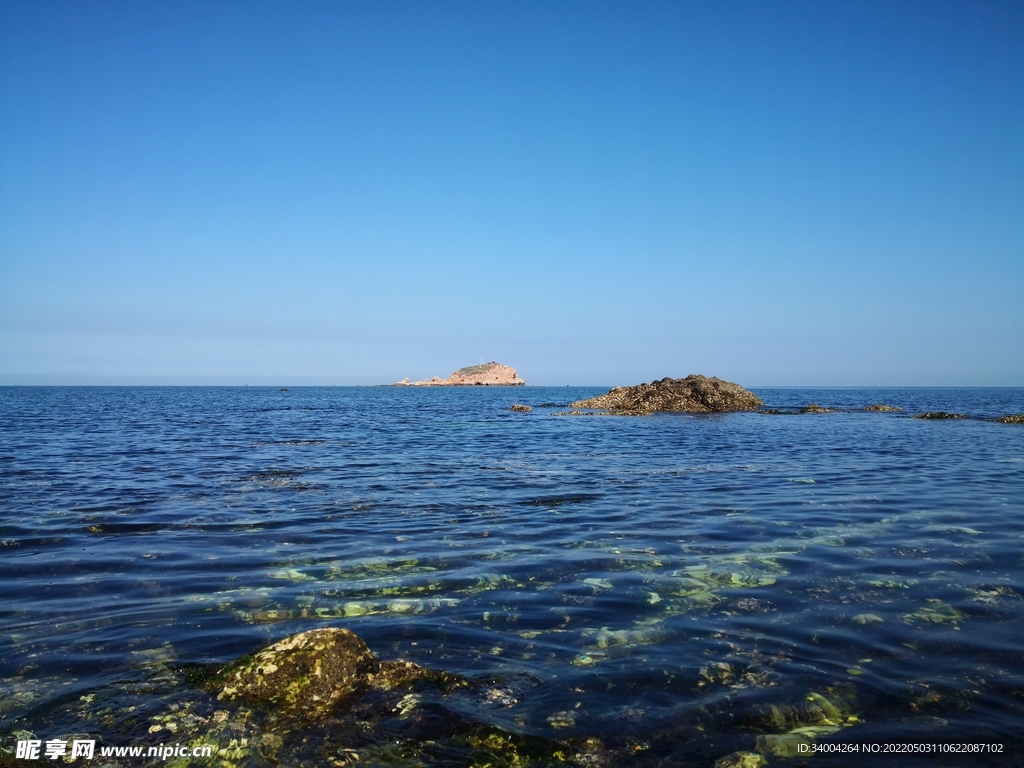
[(784, 745), (740, 760), (307, 674)]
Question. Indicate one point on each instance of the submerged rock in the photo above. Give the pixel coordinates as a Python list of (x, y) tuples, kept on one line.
[(936, 612), (866, 618), (784, 745), (307, 674), (815, 408), (521, 408), (694, 394), (1017, 418), (740, 760), (939, 415), (882, 407)]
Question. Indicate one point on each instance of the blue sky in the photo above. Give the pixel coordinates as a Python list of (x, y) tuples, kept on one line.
[(595, 193)]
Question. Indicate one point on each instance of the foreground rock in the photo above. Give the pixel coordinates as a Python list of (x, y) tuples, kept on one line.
[(490, 374), (694, 394), (308, 674)]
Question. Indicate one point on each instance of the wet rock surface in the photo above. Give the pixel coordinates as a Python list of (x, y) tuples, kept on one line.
[(882, 407), (694, 394), (521, 408), (1016, 418), (939, 415), (307, 674)]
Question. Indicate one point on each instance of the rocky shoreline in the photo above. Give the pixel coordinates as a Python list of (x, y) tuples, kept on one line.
[(322, 696)]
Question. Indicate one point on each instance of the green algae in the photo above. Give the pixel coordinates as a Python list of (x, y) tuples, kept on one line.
[(741, 760), (936, 612), (866, 618), (292, 574), (784, 745), (893, 584), (990, 595), (607, 638)]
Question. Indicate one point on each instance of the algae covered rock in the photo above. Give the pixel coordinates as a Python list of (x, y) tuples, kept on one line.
[(740, 760), (784, 745), (1013, 418), (694, 394), (307, 674)]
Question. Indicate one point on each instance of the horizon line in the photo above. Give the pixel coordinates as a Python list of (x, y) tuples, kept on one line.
[(284, 383)]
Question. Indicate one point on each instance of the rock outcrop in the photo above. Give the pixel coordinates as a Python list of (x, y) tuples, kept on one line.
[(307, 674), (1013, 418), (490, 374), (694, 394), (882, 407), (815, 408), (939, 415)]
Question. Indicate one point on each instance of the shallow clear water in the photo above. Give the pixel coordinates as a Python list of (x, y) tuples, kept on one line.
[(672, 585)]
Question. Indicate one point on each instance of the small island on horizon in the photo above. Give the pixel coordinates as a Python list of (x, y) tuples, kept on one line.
[(492, 374)]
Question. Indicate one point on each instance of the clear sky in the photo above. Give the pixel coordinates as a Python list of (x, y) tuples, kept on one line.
[(776, 193)]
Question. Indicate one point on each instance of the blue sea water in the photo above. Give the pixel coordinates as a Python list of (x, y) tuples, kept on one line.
[(662, 590)]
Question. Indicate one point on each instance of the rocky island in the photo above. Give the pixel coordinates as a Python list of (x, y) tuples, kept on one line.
[(694, 394), (492, 374)]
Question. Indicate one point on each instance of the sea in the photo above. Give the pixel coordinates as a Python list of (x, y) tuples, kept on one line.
[(796, 589)]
